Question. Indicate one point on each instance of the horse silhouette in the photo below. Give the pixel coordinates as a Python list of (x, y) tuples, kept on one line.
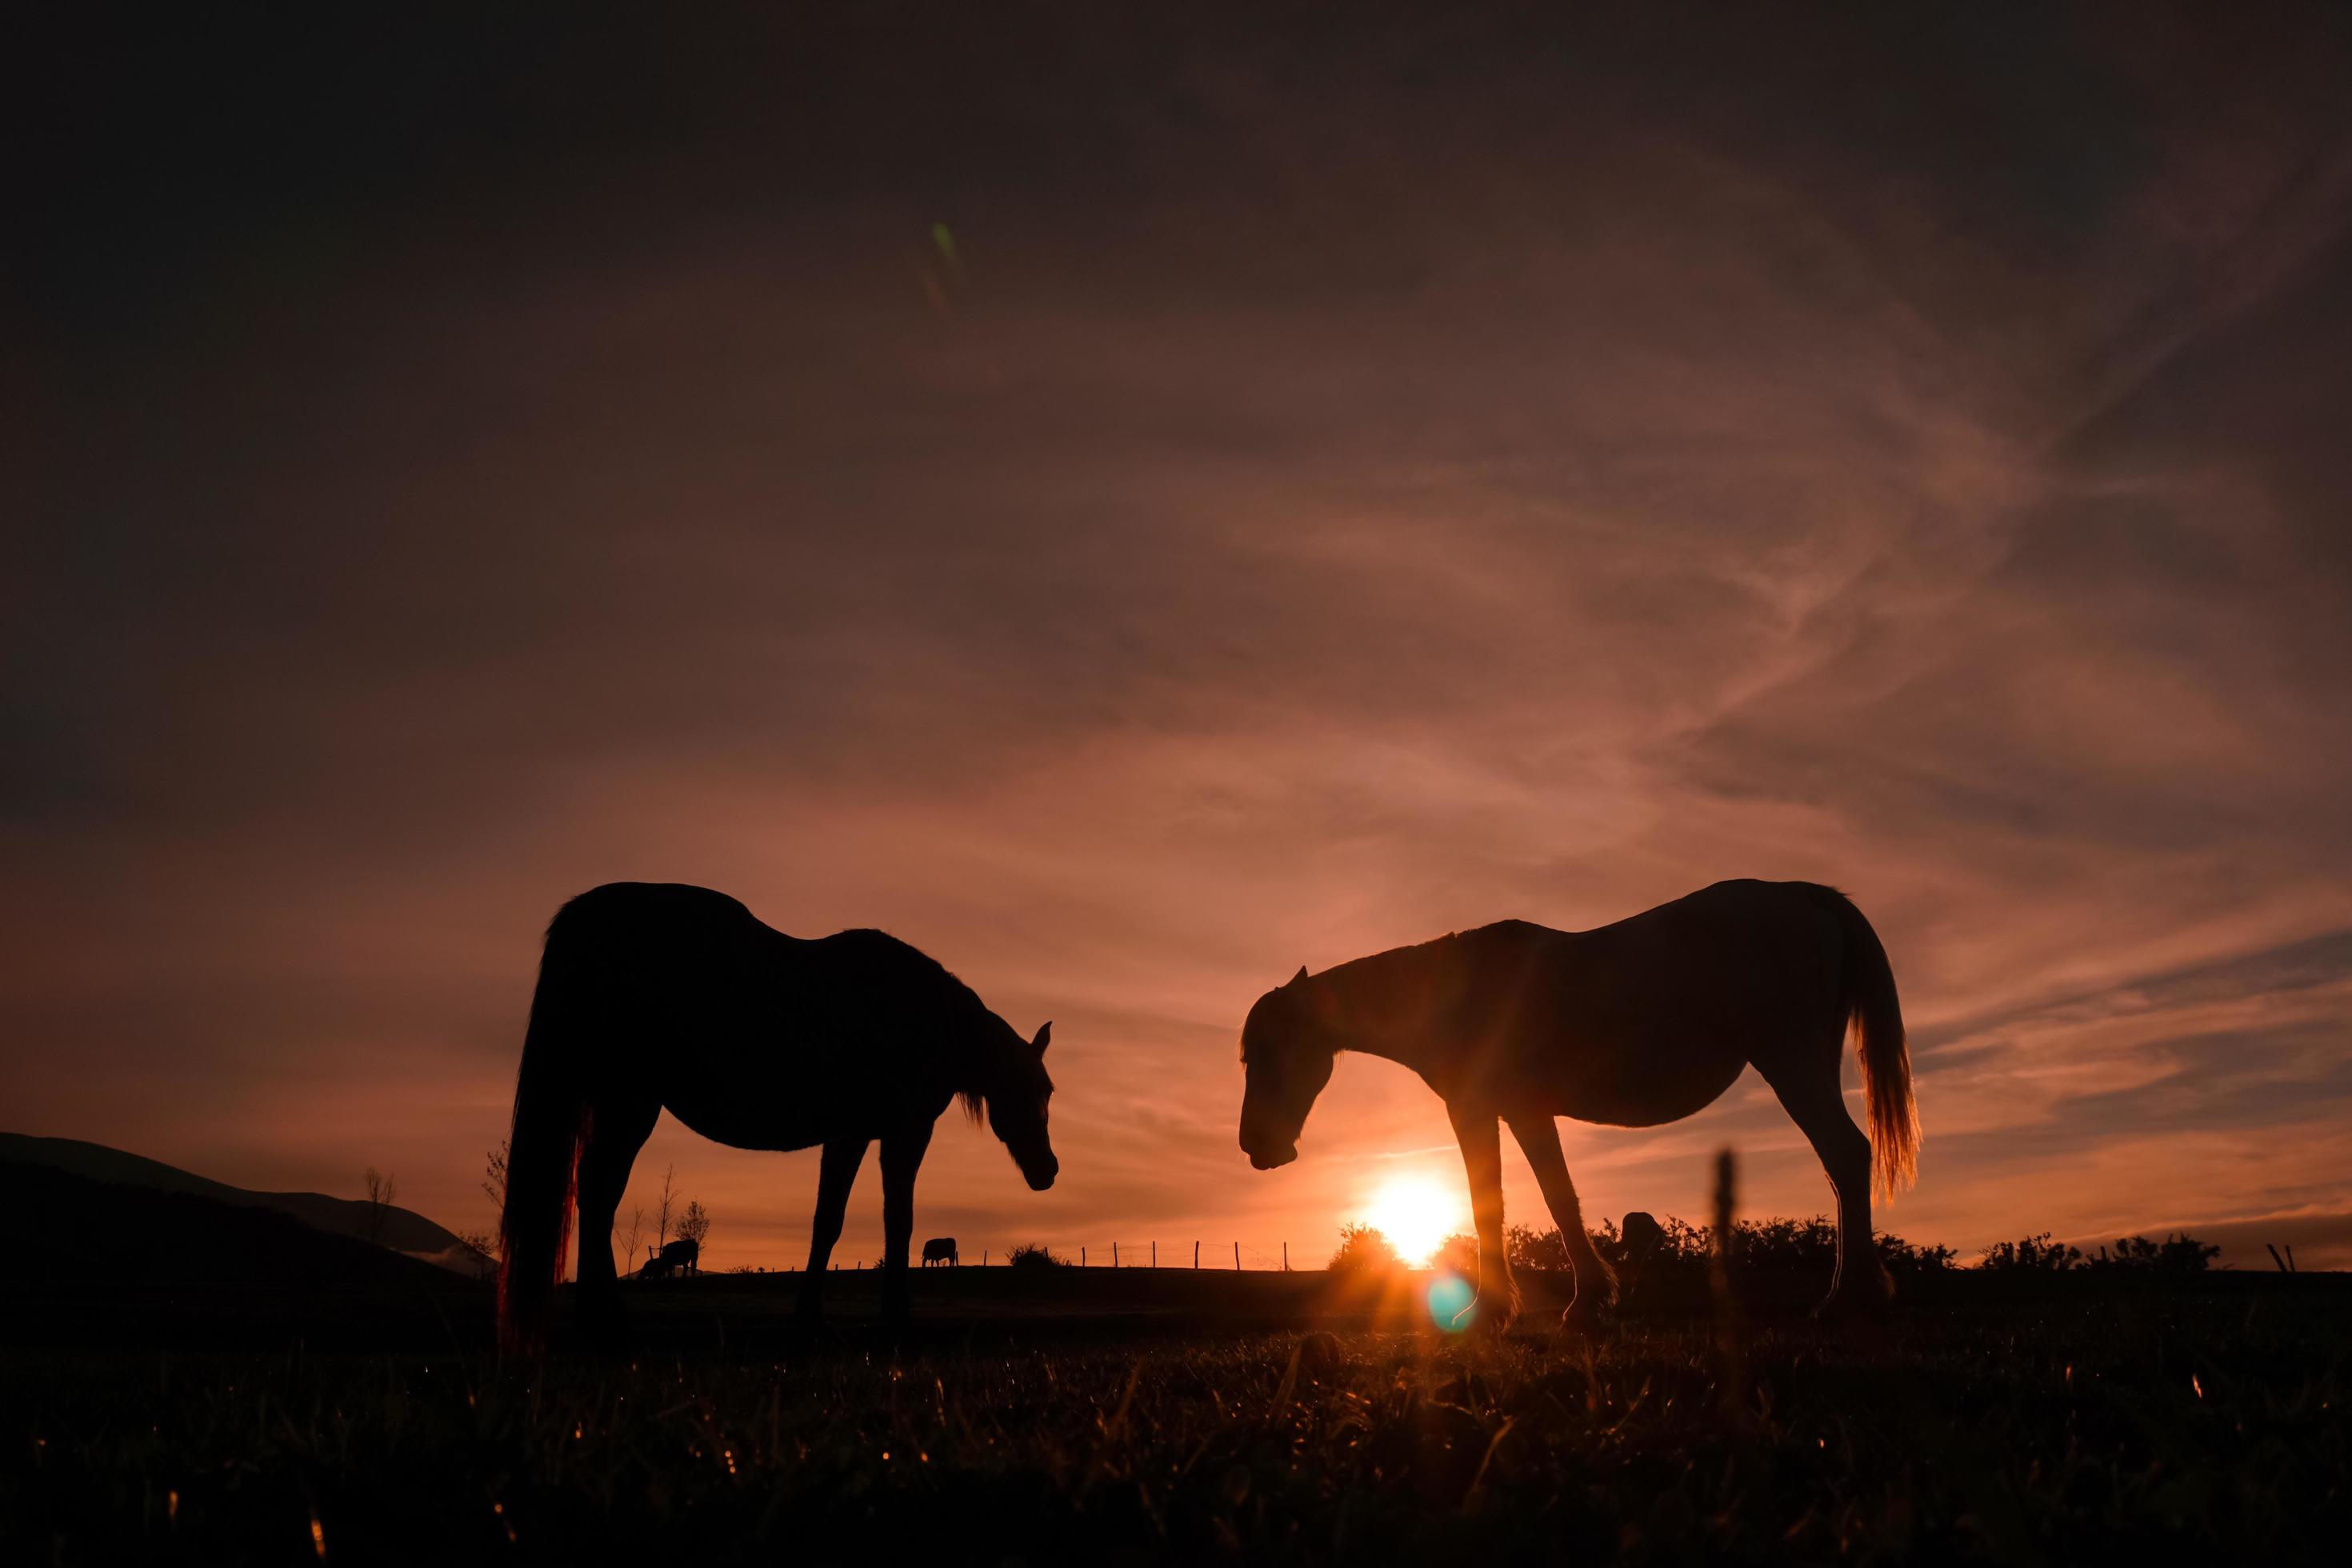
[(939, 1250), (683, 1255), (653, 995), (1631, 1025)]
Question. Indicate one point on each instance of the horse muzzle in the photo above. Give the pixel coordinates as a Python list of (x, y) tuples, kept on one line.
[(1270, 1158), (1041, 1176)]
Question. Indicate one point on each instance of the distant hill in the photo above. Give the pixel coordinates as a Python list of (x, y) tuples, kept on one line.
[(403, 1230), (92, 1229)]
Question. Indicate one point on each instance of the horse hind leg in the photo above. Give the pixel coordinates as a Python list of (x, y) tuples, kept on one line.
[(617, 1130), (1815, 1102)]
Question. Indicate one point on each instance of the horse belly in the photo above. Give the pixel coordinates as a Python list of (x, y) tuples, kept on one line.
[(1646, 1087), (770, 1097)]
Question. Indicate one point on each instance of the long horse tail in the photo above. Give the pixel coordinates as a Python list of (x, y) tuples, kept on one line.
[(1874, 1012), (551, 1112)]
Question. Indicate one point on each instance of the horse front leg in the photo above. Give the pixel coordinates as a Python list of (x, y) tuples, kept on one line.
[(1481, 1138), (836, 1176), (902, 1156), (1596, 1286)]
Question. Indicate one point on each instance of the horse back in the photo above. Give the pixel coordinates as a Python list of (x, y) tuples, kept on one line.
[(1649, 1018), (750, 1036)]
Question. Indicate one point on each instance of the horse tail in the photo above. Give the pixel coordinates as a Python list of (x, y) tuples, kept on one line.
[(1868, 1003), (551, 1112)]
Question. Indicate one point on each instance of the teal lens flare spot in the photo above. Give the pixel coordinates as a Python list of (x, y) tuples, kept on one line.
[(1450, 1295)]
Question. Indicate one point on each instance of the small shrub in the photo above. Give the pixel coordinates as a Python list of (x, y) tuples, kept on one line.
[(2178, 1253), (2034, 1255), (1903, 1257), (1034, 1254), (1531, 1248)]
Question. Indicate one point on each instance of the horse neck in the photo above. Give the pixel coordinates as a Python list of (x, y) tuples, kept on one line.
[(1393, 1004)]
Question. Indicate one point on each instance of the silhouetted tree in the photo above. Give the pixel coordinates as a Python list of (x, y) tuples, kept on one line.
[(662, 1215), (694, 1226), (494, 1175), (1363, 1249), (636, 1230), (483, 1244), (379, 1191)]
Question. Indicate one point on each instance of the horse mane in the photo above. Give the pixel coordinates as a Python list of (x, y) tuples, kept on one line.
[(1403, 983), (944, 1007)]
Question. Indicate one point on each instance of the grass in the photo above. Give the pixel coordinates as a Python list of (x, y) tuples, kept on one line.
[(2210, 1420)]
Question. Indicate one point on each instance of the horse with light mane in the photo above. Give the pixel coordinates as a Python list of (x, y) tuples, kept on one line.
[(653, 995), (1631, 1025)]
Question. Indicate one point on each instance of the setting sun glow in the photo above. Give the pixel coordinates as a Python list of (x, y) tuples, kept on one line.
[(1416, 1215)]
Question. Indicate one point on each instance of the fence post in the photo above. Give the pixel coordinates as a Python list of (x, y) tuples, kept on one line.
[(1082, 1258), (1196, 1254), (1237, 1257), (1155, 1255), (1114, 1254), (984, 1258), (1285, 1258)]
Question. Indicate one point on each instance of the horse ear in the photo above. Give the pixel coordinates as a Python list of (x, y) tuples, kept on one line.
[(1300, 975), (1045, 1036)]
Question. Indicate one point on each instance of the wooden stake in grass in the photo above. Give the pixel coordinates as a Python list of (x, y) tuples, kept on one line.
[(1730, 1333)]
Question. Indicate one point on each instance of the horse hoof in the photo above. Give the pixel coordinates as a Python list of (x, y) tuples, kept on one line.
[(1487, 1315)]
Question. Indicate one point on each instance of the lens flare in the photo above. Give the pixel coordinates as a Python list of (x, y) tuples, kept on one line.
[(1450, 1295)]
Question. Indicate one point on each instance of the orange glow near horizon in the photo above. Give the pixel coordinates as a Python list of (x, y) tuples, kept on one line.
[(1416, 1214)]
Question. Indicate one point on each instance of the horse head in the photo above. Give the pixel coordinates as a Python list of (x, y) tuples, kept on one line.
[(1288, 1048), (1017, 1097)]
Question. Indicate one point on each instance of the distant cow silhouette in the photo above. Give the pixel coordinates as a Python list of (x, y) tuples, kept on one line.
[(653, 995), (1631, 1024), (939, 1250), (683, 1255)]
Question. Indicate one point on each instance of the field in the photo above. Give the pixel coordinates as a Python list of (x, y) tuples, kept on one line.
[(1170, 1415)]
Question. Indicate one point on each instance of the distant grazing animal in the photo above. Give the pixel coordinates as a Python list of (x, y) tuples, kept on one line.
[(1631, 1024), (653, 995), (939, 1250), (1639, 1238), (683, 1255)]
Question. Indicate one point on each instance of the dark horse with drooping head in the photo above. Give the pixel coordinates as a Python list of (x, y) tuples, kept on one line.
[(1631, 1024), (654, 994)]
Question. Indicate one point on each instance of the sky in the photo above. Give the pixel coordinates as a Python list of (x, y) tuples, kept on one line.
[(1135, 500)]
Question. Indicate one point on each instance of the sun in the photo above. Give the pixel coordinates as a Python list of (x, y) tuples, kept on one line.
[(1416, 1215)]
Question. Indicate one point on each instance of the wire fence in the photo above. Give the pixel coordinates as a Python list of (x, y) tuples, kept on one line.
[(1230, 1256)]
